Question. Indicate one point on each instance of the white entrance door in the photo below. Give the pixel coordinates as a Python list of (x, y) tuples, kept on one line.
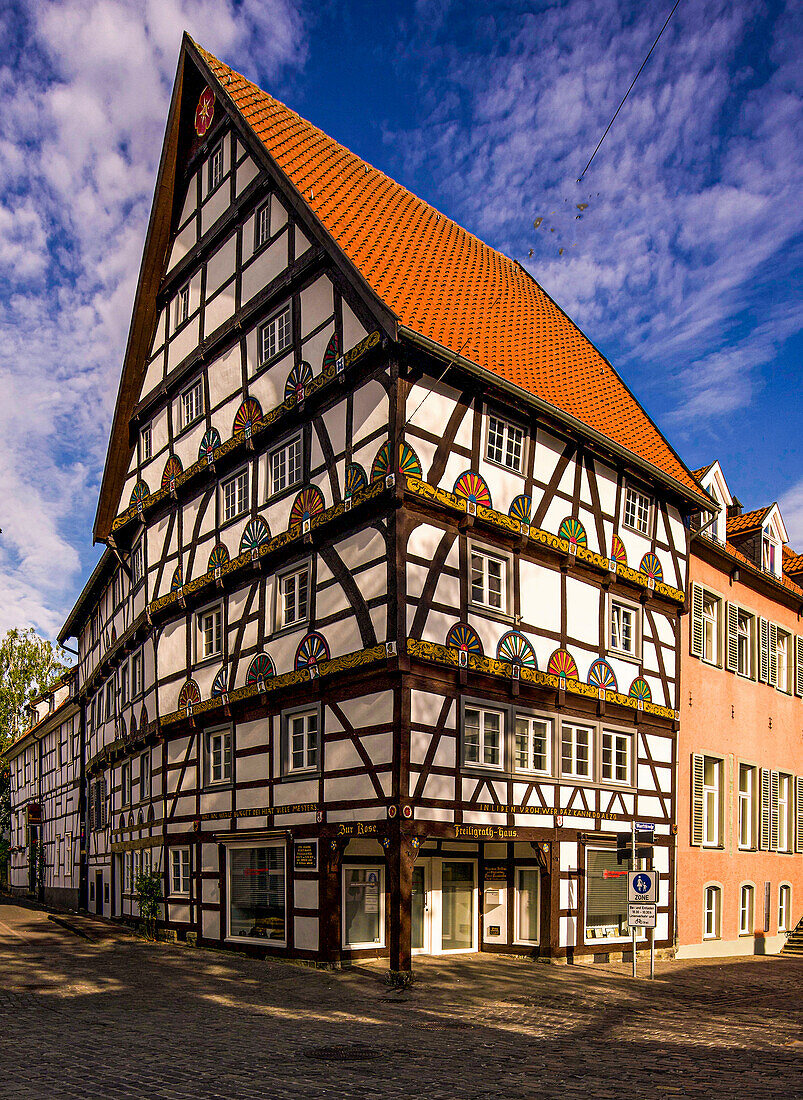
[(444, 906), (421, 907)]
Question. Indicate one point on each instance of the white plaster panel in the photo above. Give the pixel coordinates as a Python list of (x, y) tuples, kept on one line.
[(215, 206), (297, 790), (660, 749), (548, 449), (472, 818), (340, 755), (425, 707), (278, 216), (264, 268), (190, 198), (353, 331), (329, 601), (316, 305), (568, 856), (220, 266), (606, 486), (369, 710), (305, 893), (182, 244), (540, 596), (220, 310), (370, 404), (302, 243), (439, 787), (650, 809), (313, 347), (504, 485), (431, 814), (306, 933), (437, 625), (245, 173), (180, 347), (582, 611), (335, 421), (252, 768), (379, 617), (349, 789)]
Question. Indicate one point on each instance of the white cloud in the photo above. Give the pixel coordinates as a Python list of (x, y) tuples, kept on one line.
[(791, 505)]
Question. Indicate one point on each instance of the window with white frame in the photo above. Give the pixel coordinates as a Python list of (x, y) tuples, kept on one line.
[(234, 496), (710, 616), (747, 895), (285, 466), (210, 632), (137, 564), (744, 642), (180, 871), (145, 443), (256, 893), (625, 632), (302, 741), (192, 404), (275, 335), (488, 580), (128, 872), (576, 750), (768, 554), (615, 756), (125, 783), (364, 905), (637, 513), (785, 808), (712, 802), (218, 756), (748, 805), (784, 907), (136, 674), (182, 305), (293, 597), (526, 925), (144, 777), (712, 912), (124, 684), (533, 744), (482, 737), (110, 707), (505, 443), (262, 225), (215, 166), (783, 649)]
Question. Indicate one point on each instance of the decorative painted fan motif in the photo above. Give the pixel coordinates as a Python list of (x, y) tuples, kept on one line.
[(561, 663), (651, 567), (308, 503), (618, 552), (516, 650), (143, 718), (218, 557), (472, 487), (409, 463), (189, 695), (133, 727), (178, 579), (261, 668), (139, 492), (299, 377), (249, 416), (331, 353), (220, 684), (573, 531), (640, 689), (255, 534), (312, 649), (601, 675), (521, 509), (209, 443), (172, 469), (356, 478), (463, 637)]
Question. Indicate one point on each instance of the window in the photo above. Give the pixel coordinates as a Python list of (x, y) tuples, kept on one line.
[(505, 443), (744, 643), (616, 756), (748, 805), (533, 744), (784, 907), (210, 633), (110, 707), (302, 735), (712, 912), (293, 598), (144, 777), (137, 564), (218, 756), (215, 166), (712, 801), (575, 750), (256, 893), (624, 637), (145, 443), (783, 650), (180, 871), (710, 614), (128, 872), (285, 466), (234, 494), (482, 737), (274, 336), (136, 675), (123, 684), (785, 825), (606, 897), (488, 580), (192, 404), (747, 895), (182, 305), (261, 225), (125, 784), (527, 914), (363, 906), (768, 554), (637, 513)]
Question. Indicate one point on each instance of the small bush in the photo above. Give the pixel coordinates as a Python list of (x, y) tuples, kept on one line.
[(148, 889)]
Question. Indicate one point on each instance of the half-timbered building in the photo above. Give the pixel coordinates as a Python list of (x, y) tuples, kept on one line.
[(383, 649)]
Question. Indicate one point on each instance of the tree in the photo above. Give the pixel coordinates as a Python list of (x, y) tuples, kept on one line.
[(29, 666)]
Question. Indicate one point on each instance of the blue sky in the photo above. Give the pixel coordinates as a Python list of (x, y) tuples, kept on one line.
[(684, 269)]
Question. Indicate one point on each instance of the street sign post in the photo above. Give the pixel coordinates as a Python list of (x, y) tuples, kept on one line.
[(641, 914)]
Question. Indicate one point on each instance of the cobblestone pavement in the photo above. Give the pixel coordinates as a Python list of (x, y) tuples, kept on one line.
[(111, 1016)]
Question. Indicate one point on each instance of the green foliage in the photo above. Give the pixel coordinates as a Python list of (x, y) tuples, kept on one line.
[(38, 865), (148, 890)]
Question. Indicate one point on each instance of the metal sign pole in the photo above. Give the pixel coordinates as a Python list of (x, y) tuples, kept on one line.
[(633, 868), (652, 954)]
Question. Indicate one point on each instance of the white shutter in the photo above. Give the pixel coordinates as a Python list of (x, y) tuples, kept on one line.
[(799, 813), (798, 666), (773, 811), (763, 651), (764, 819), (773, 646), (91, 805), (697, 773), (732, 638), (696, 620)]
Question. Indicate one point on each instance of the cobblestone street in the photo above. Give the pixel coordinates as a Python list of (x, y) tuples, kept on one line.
[(107, 1015)]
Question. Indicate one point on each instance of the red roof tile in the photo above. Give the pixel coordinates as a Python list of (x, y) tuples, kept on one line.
[(446, 284), (747, 521)]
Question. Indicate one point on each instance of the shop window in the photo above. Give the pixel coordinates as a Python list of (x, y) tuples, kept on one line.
[(606, 896), (256, 891), (527, 901), (458, 904), (363, 906)]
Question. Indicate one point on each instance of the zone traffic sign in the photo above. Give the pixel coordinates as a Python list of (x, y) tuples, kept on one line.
[(642, 886)]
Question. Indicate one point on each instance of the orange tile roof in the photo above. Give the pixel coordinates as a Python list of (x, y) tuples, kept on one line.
[(792, 562), (446, 284), (747, 521), (785, 582), (698, 475)]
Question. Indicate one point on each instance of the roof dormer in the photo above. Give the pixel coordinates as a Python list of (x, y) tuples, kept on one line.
[(760, 535), (713, 525)]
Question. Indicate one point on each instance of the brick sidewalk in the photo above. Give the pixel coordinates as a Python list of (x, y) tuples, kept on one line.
[(114, 1016)]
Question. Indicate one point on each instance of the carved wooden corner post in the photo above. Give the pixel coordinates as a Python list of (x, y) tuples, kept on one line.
[(400, 853), (329, 900)]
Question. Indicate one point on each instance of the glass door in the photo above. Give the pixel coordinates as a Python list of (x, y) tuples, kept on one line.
[(420, 908), (458, 905)]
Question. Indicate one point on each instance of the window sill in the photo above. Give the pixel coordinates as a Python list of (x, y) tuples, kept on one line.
[(188, 427), (622, 655), (636, 531), (260, 368), (221, 785), (491, 613), (503, 466), (224, 523)]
